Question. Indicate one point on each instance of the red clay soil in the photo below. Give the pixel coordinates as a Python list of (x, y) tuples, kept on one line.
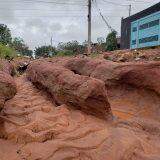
[(37, 129), (6, 67), (7, 88), (20, 63), (129, 102), (7, 84), (130, 86), (141, 55), (66, 87)]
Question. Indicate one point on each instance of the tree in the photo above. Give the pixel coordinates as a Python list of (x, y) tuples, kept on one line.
[(19, 45), (111, 41), (72, 47), (45, 51), (5, 35)]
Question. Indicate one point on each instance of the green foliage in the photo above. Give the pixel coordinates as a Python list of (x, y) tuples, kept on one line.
[(7, 52), (72, 46), (94, 55), (45, 51), (19, 45), (65, 53), (5, 35), (1, 67), (111, 41)]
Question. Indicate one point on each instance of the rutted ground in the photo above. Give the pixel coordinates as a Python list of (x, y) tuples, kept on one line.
[(130, 102), (32, 117), (36, 127)]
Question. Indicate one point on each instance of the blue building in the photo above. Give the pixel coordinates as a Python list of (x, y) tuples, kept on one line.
[(145, 32), (142, 29)]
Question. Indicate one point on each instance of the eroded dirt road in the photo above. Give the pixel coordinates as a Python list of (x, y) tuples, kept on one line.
[(38, 130)]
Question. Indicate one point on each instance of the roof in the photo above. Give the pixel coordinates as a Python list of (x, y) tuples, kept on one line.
[(144, 13)]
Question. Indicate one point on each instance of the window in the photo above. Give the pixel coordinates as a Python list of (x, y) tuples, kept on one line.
[(148, 39), (154, 23), (144, 26), (134, 29), (150, 24), (133, 42)]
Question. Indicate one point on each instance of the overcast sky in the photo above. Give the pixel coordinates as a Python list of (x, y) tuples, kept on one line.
[(36, 21)]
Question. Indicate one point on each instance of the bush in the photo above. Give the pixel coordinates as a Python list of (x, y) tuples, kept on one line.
[(94, 55), (45, 51), (111, 41), (7, 52), (73, 46), (65, 53)]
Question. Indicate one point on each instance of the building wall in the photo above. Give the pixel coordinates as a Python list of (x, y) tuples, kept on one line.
[(125, 33), (127, 22), (145, 32)]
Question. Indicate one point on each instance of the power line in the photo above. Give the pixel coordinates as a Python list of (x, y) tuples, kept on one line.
[(54, 16), (139, 1), (113, 3), (49, 10), (33, 9), (47, 2), (103, 18)]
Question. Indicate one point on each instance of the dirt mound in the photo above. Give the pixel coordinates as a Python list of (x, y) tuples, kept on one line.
[(132, 88), (133, 55), (82, 66), (81, 92), (6, 67), (143, 75), (7, 84), (7, 88)]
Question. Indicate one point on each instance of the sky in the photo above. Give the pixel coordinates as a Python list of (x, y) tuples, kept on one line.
[(36, 21)]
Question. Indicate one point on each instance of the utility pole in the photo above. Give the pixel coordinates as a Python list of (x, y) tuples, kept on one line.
[(51, 41), (51, 53), (89, 25), (130, 8)]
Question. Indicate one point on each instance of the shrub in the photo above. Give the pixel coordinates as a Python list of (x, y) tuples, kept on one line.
[(94, 55), (45, 51), (7, 52), (65, 53), (111, 41)]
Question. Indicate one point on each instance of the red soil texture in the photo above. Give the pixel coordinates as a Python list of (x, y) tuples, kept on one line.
[(83, 109)]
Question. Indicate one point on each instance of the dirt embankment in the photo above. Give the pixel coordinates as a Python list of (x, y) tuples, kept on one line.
[(140, 55), (74, 90), (132, 87), (7, 89), (60, 119)]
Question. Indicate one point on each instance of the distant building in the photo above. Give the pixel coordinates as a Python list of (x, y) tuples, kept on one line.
[(118, 42), (142, 29)]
